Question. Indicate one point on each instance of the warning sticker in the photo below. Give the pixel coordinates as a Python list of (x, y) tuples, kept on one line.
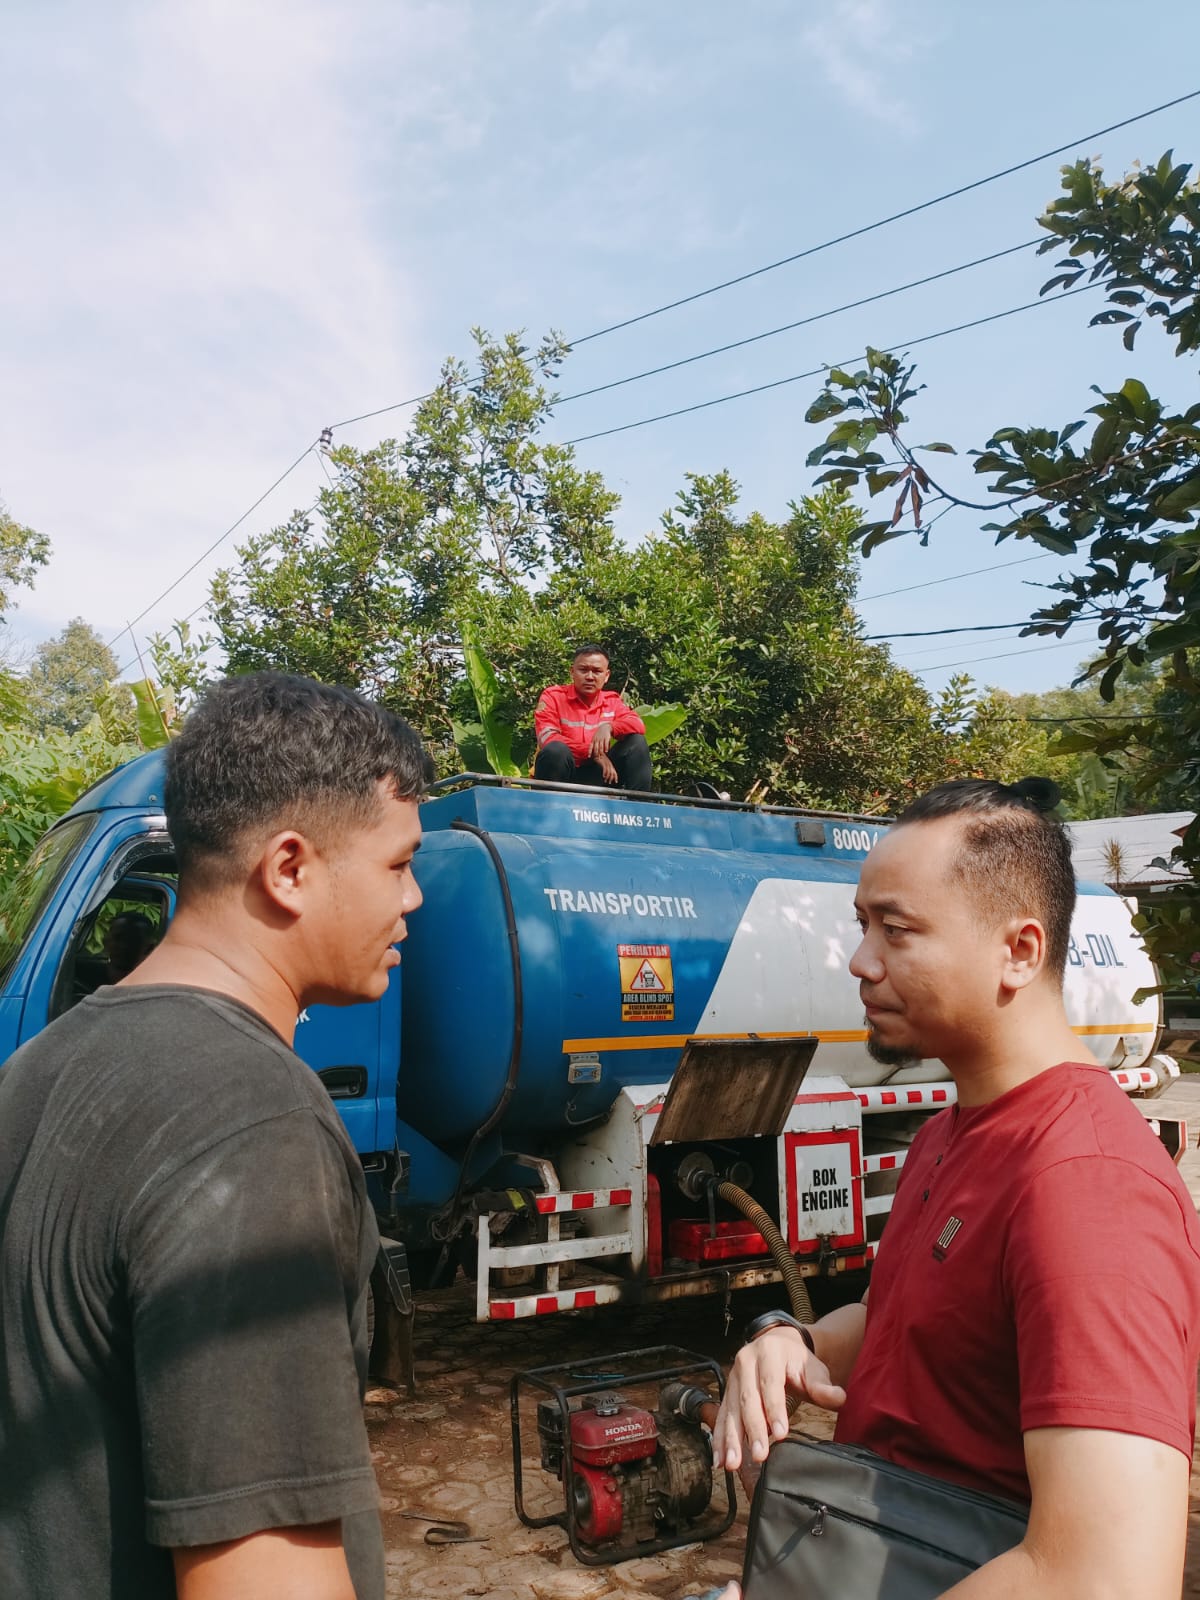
[(647, 983)]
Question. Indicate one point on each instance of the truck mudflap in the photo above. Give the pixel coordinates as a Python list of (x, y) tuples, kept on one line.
[(391, 1356)]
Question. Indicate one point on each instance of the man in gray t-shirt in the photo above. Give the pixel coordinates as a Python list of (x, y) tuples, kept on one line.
[(185, 1236)]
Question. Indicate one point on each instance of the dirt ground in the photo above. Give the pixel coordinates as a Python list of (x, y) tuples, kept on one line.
[(448, 1451)]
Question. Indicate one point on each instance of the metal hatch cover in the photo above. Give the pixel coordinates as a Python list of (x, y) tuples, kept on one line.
[(734, 1088)]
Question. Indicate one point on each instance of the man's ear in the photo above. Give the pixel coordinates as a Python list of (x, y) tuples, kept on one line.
[(286, 869), (1025, 940)]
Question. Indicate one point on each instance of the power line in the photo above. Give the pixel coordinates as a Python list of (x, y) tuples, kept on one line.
[(802, 322), (974, 572), (383, 410), (203, 556), (1063, 644), (715, 289), (722, 349), (801, 255), (815, 372), (1099, 716), (196, 610), (702, 405), (1083, 716), (907, 654), (883, 222), (934, 633)]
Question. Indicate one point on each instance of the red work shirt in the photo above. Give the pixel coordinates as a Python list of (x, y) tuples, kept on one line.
[(1040, 1268), (561, 715)]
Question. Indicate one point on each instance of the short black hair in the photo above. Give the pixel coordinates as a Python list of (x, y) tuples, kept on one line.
[(1015, 858), (591, 650), (270, 750)]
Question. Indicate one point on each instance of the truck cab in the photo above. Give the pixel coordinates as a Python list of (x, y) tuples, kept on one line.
[(111, 854)]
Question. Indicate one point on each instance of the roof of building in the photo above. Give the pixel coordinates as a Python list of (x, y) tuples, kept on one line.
[(1141, 840)]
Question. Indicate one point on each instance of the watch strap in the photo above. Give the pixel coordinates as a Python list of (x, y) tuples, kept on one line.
[(777, 1319)]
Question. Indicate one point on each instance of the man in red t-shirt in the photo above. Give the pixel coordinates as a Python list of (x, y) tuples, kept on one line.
[(586, 733), (1034, 1318)]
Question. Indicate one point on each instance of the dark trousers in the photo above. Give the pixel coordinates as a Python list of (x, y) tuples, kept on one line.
[(630, 756)]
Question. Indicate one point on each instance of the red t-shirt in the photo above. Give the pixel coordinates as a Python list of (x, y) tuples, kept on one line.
[(1041, 1268), (563, 717)]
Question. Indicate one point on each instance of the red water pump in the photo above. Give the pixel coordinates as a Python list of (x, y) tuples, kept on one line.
[(635, 1480)]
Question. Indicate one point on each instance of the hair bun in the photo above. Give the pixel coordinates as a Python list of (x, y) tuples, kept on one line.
[(1043, 794)]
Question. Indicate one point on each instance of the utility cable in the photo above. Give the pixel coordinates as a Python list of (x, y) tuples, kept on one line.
[(728, 283), (907, 654), (943, 666), (722, 349), (974, 572), (934, 633), (383, 410), (816, 372), (203, 556), (802, 322), (883, 222), (812, 250)]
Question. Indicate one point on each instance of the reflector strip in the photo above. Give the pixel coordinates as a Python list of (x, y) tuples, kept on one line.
[(888, 1163), (941, 1094), (583, 1200), (544, 1305), (1138, 1078)]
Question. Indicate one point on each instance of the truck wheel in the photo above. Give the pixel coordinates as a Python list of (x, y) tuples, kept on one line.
[(421, 1264)]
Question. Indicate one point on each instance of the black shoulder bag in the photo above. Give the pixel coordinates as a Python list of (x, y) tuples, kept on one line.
[(835, 1522)]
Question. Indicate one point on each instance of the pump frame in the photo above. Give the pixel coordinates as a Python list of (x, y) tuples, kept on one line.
[(659, 1369)]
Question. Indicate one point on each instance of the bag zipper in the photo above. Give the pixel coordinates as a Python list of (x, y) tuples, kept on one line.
[(823, 1512)]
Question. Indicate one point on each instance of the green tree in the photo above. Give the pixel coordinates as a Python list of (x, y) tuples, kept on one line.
[(41, 777), (372, 588), (1118, 489), (1093, 787), (474, 531), (750, 625), (70, 677), (22, 552)]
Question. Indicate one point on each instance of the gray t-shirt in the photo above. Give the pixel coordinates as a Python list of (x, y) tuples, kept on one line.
[(185, 1244)]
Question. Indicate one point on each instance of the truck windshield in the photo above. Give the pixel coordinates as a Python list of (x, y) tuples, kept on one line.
[(24, 898)]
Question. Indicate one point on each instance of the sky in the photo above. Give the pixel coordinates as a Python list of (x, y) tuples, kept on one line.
[(229, 225)]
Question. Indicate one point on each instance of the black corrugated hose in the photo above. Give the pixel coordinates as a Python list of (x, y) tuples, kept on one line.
[(792, 1276)]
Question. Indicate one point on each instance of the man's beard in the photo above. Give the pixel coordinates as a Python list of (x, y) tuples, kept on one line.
[(888, 1055)]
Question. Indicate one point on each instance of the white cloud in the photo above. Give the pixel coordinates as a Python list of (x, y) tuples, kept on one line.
[(861, 49), (207, 271), (614, 64)]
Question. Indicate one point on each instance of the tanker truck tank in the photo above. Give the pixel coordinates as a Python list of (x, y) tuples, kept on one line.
[(576, 948)]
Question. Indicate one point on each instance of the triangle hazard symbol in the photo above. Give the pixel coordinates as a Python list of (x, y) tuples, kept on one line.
[(646, 978)]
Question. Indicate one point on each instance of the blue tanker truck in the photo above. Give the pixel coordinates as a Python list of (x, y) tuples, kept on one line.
[(623, 1058)]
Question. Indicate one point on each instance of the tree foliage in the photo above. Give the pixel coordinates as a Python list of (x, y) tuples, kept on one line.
[(1093, 786), (373, 586), (474, 532), (69, 678), (1116, 492), (22, 552)]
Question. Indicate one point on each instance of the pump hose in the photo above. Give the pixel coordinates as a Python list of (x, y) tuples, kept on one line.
[(792, 1276)]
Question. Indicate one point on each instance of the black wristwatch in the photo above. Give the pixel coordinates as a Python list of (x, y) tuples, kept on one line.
[(777, 1319)]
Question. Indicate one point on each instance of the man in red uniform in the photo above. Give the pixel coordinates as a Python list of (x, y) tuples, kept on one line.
[(586, 733), (1034, 1318)]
